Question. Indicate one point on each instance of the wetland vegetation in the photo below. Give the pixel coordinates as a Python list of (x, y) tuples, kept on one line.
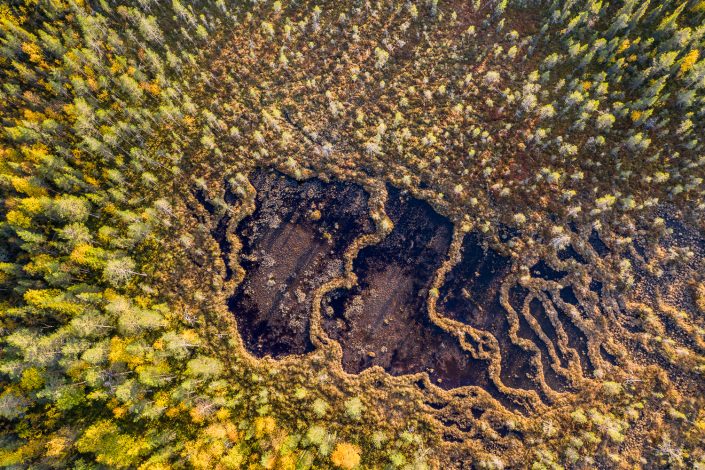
[(353, 234)]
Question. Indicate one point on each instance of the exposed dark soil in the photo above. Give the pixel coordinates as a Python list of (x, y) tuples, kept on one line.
[(292, 244), (471, 295), (597, 243), (570, 253), (295, 241), (543, 270), (384, 320), (576, 338)]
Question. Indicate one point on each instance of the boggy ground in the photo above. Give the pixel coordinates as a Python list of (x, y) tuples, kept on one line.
[(383, 320), (294, 242), (471, 294)]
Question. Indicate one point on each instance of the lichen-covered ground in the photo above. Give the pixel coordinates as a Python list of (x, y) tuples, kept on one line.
[(352, 234)]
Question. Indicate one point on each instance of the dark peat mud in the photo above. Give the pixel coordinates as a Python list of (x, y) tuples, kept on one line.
[(384, 321), (292, 244)]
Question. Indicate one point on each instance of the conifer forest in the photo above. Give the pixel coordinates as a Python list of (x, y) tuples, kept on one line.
[(352, 234)]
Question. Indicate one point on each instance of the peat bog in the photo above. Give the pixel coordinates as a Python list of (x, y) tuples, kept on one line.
[(294, 242), (383, 320)]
